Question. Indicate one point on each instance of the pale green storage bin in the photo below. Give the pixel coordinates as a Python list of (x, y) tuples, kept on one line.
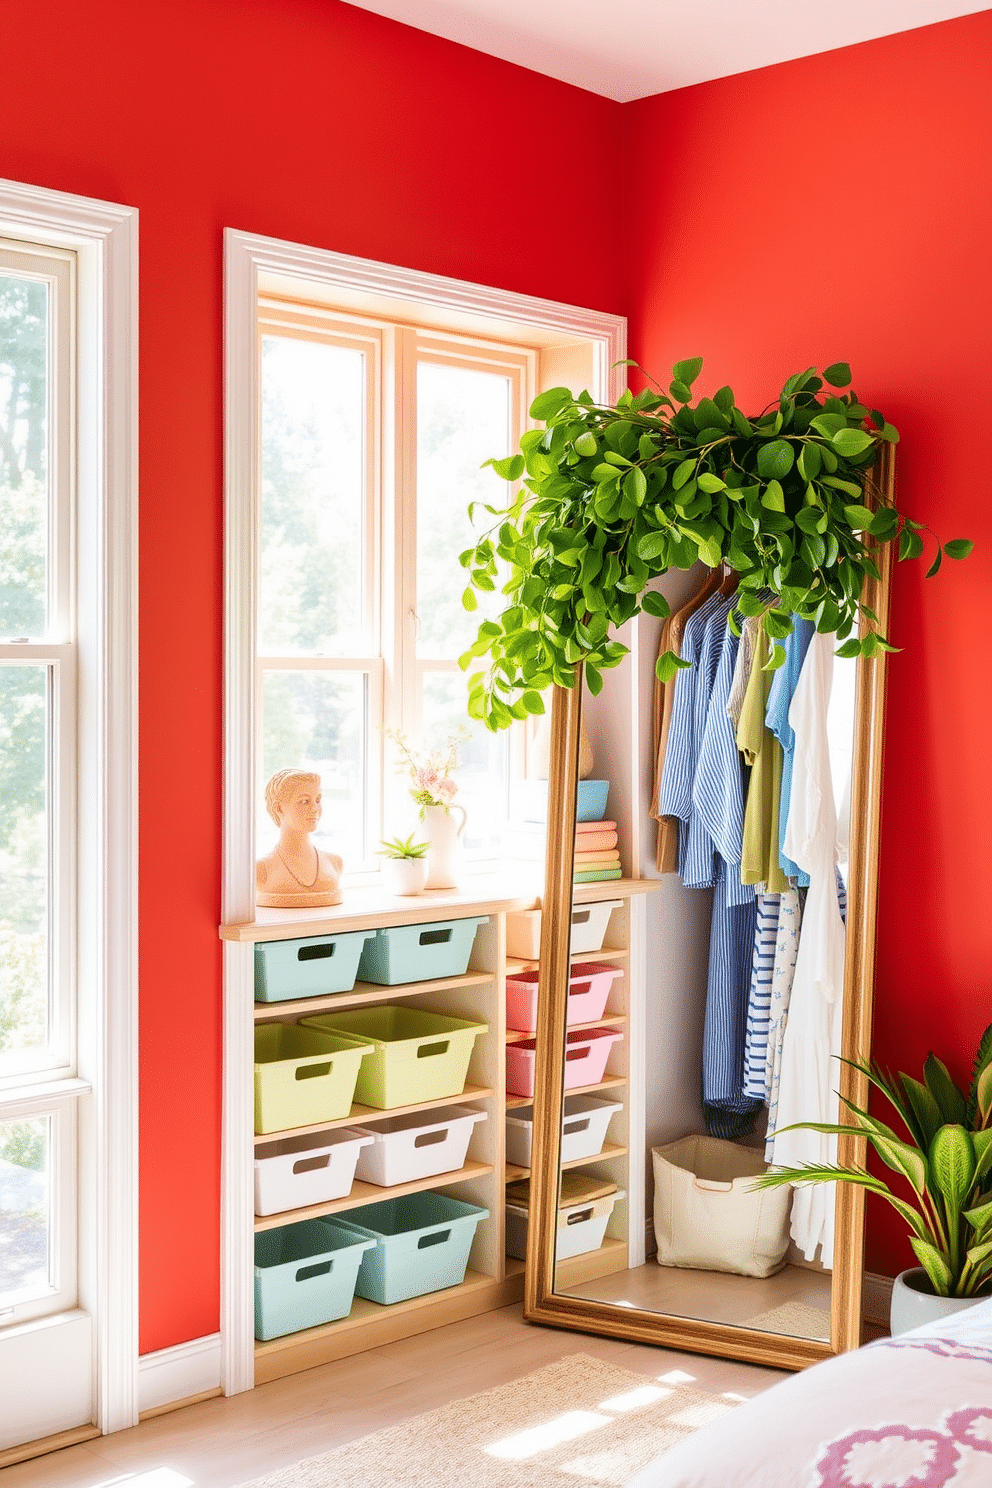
[(303, 1075), (307, 968), (417, 1056), (418, 953), (422, 1244), (305, 1275)]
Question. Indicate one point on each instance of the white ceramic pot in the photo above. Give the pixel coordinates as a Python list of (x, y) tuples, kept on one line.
[(444, 850), (404, 875), (913, 1303)]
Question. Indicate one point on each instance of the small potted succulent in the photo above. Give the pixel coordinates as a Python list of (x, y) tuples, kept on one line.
[(947, 1164), (404, 868)]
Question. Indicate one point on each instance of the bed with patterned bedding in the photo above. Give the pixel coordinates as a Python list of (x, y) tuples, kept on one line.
[(908, 1412)]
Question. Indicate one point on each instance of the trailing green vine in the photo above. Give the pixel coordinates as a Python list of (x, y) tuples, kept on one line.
[(611, 497)]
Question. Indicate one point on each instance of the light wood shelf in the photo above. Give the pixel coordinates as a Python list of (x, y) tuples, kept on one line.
[(512, 1101), (363, 1115), (363, 993), (371, 1193), (518, 963), (513, 1172), (611, 1020)]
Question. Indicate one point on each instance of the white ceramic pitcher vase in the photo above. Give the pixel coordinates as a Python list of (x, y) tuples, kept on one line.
[(444, 850)]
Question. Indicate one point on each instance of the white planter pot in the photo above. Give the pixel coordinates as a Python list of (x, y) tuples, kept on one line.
[(402, 876), (913, 1305), (444, 852)]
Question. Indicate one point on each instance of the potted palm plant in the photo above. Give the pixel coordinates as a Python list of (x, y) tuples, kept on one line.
[(947, 1163), (405, 865)]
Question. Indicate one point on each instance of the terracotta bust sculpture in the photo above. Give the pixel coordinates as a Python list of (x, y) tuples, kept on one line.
[(296, 875)]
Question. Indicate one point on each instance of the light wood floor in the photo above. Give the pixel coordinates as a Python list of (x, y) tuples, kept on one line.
[(223, 1443), (714, 1295)]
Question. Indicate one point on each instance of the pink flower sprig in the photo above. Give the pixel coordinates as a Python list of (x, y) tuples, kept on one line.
[(430, 773)]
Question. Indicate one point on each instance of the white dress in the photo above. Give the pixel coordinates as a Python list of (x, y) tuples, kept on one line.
[(809, 1067)]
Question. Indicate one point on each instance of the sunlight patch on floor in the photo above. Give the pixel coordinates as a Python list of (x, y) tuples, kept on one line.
[(541, 1438), (155, 1477), (636, 1399), (676, 1377)]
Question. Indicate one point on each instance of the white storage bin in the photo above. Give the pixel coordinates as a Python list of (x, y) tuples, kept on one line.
[(707, 1214), (298, 1171), (583, 1129), (418, 1145), (581, 1227), (589, 922)]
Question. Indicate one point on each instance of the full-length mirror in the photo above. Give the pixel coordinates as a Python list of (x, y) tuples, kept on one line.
[(707, 967)]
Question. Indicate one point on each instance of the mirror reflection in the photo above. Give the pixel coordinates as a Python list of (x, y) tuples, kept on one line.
[(668, 1117)]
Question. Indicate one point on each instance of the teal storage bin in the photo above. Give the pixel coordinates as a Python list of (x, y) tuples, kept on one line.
[(422, 1243), (418, 953), (416, 1056), (305, 1275), (307, 968)]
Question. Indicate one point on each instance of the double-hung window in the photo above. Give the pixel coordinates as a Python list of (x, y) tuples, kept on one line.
[(38, 1090), (373, 435)]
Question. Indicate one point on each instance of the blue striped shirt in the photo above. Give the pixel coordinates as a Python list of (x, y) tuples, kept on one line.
[(718, 789), (727, 1110), (760, 996), (679, 768), (780, 695)]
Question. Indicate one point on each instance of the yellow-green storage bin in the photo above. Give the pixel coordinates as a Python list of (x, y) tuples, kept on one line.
[(304, 1075), (418, 1056)]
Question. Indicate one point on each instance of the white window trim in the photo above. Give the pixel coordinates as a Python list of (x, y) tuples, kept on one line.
[(105, 239), (247, 256)]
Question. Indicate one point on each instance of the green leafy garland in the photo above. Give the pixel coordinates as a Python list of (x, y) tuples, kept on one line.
[(614, 496)]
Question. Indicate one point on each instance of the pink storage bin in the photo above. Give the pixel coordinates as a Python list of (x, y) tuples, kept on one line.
[(586, 1054), (589, 986)]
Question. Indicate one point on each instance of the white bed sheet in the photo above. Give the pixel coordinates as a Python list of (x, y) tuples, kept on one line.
[(907, 1412)]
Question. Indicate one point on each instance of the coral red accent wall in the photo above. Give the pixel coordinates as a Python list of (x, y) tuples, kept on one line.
[(839, 207), (312, 121)]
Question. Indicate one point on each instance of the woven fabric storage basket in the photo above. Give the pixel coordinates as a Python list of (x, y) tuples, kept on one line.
[(707, 1214)]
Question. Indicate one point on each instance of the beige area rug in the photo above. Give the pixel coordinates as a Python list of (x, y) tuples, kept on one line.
[(793, 1320), (577, 1423)]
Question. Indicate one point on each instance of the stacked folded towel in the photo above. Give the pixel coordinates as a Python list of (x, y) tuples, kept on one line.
[(597, 855)]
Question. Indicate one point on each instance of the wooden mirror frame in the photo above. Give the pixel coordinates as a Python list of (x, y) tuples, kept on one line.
[(542, 1304)]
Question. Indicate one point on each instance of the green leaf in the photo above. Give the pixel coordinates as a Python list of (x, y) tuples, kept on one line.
[(838, 374), (682, 474), (547, 404), (983, 1093), (910, 544), (653, 603), (668, 664), (858, 517), (776, 658), (952, 1164), (809, 461), (950, 1100), (935, 565), (586, 444), (778, 624), (851, 442), (923, 1109), (533, 702), (980, 1218), (680, 391), (707, 481), (635, 485), (775, 459), (884, 524), (688, 370), (958, 547), (828, 424), (469, 601), (934, 1264), (651, 545), (850, 648), (773, 497)]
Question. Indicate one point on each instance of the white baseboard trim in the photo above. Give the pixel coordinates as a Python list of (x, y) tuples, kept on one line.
[(876, 1296), (179, 1372)]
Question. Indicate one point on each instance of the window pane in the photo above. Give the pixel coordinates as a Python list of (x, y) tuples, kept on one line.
[(316, 721), (313, 497), (483, 769), (23, 867), (463, 418), (25, 1209), (23, 457)]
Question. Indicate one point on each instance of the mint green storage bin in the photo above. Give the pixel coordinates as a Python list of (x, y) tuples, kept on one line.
[(303, 1075), (418, 953), (417, 1056), (311, 967), (422, 1244), (305, 1275)]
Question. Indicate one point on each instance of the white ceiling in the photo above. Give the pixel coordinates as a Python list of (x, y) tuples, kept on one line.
[(628, 49)]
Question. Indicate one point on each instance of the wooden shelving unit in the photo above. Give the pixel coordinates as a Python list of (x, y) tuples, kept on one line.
[(610, 1083), (512, 1171), (611, 1020), (364, 995), (365, 1115), (371, 1193)]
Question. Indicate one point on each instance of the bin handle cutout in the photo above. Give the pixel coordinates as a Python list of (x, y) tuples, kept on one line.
[(582, 1052), (579, 989), (428, 1139), (580, 916), (307, 1273), (316, 952), (579, 1217), (711, 1185), (427, 1051), (310, 1164), (571, 1127), (313, 1071), (438, 1238), (435, 937)]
